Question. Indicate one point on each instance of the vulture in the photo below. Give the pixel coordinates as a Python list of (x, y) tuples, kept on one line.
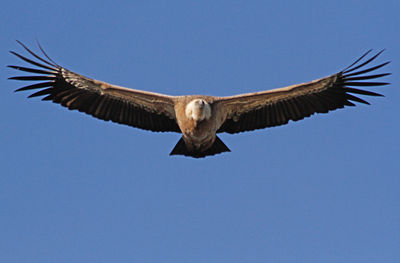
[(199, 118)]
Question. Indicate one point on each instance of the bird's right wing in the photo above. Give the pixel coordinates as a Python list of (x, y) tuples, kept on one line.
[(136, 108)]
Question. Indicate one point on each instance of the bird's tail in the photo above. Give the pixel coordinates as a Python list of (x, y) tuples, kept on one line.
[(217, 147)]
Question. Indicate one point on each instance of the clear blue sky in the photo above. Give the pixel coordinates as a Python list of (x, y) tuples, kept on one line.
[(77, 189)]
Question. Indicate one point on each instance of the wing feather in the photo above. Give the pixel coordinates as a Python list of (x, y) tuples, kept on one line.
[(276, 107), (141, 109)]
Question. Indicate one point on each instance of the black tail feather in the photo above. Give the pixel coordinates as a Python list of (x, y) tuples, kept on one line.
[(216, 148)]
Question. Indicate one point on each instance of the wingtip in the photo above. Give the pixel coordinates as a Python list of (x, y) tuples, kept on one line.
[(20, 89), (21, 44), (13, 67)]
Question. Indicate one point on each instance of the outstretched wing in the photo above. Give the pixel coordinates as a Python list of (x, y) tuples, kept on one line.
[(275, 107), (136, 108)]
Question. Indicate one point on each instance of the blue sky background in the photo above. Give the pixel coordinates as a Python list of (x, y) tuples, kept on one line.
[(77, 189)]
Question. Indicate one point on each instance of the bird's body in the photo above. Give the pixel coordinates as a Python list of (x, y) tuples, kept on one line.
[(197, 122), (199, 118)]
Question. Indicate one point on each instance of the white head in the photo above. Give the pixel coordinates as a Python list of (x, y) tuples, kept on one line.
[(198, 110)]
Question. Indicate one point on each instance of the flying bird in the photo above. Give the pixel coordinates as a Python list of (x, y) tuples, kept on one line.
[(199, 118)]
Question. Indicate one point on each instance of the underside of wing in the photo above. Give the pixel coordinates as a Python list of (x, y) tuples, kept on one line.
[(140, 109), (276, 107)]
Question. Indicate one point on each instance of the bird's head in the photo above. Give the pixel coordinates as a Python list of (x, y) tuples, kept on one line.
[(198, 110)]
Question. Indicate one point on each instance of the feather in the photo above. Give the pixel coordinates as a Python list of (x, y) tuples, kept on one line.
[(31, 61), (362, 92), (36, 86), (36, 56), (365, 63), (33, 70)]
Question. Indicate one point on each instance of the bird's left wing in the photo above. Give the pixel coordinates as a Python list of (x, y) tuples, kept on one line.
[(136, 108), (275, 107)]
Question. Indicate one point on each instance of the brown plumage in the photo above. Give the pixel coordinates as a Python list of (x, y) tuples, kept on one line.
[(198, 117)]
